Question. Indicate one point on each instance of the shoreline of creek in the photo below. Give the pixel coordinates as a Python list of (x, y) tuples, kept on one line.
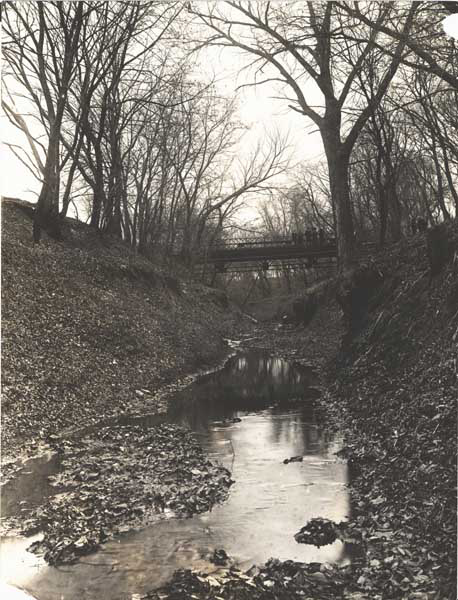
[(60, 548), (74, 526), (150, 402), (146, 402)]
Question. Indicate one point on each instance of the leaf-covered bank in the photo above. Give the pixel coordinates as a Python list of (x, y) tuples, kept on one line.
[(397, 380), (86, 326)]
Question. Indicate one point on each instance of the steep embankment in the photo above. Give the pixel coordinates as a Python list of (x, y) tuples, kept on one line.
[(398, 381), (86, 326)]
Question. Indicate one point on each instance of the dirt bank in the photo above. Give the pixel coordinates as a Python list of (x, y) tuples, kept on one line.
[(397, 379), (88, 329)]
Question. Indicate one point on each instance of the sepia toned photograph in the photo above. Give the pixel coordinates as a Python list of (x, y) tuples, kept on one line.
[(229, 300)]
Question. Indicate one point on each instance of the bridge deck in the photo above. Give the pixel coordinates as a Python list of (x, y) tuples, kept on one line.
[(259, 253), (276, 251)]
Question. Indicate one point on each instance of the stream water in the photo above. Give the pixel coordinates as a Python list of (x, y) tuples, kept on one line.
[(241, 418)]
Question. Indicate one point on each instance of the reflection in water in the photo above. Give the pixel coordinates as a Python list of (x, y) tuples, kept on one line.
[(268, 503), (249, 382), (31, 486)]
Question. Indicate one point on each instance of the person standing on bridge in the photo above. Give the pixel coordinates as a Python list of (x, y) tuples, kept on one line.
[(314, 237), (308, 236), (321, 236), (422, 225)]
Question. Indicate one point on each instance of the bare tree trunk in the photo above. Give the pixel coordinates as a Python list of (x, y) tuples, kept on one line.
[(265, 286), (98, 201), (47, 208), (338, 165), (376, 182), (449, 177), (440, 184), (68, 186), (395, 210), (383, 211)]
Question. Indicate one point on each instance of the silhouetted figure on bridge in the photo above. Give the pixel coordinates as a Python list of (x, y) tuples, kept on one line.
[(294, 236), (321, 236), (300, 239), (308, 236), (422, 225), (314, 237)]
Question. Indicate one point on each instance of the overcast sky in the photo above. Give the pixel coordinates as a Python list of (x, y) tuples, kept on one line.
[(258, 109)]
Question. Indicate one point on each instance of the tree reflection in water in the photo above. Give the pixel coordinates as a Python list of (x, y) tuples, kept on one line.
[(251, 381)]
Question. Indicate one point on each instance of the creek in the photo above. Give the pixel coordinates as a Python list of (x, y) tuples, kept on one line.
[(243, 417)]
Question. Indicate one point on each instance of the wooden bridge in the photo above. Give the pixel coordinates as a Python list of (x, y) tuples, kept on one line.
[(274, 254)]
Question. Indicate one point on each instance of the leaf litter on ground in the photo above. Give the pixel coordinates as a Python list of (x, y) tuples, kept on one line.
[(123, 477)]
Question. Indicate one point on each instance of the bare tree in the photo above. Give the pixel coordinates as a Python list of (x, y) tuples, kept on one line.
[(430, 117), (212, 178), (40, 49), (34, 159), (72, 59)]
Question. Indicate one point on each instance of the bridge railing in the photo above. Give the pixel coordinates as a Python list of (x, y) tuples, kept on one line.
[(278, 250)]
